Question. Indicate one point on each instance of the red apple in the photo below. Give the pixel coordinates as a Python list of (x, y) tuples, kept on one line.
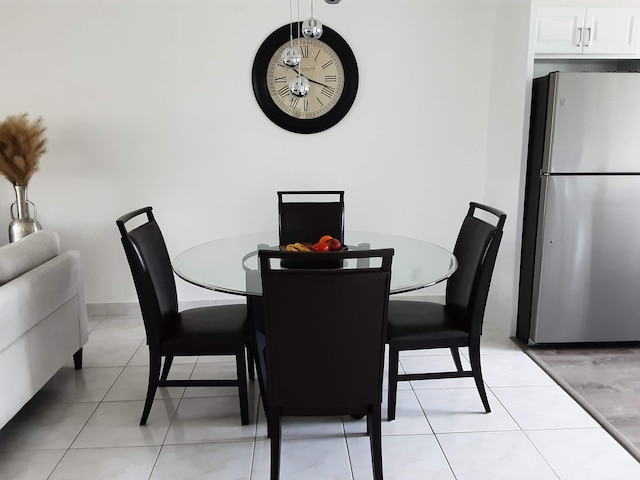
[(321, 247), (334, 244)]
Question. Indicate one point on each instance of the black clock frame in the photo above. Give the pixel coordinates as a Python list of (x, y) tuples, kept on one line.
[(301, 125)]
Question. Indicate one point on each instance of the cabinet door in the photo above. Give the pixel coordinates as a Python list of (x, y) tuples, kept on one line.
[(611, 31), (559, 30)]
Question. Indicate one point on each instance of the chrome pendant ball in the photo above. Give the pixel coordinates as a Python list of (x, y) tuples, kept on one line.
[(292, 56), (332, 2), (299, 87), (312, 28)]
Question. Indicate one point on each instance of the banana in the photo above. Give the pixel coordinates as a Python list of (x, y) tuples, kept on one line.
[(290, 248)]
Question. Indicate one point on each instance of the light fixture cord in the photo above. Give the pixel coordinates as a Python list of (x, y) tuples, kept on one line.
[(291, 23), (299, 42), (299, 39)]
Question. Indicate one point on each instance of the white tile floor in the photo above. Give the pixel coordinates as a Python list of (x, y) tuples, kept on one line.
[(84, 425)]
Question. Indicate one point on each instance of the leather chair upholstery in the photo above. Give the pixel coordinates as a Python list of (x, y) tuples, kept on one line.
[(213, 330), (325, 333), (415, 325)]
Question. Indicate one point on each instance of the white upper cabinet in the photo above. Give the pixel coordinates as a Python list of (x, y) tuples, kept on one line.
[(571, 32)]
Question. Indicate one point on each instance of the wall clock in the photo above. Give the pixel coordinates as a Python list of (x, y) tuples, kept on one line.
[(329, 65)]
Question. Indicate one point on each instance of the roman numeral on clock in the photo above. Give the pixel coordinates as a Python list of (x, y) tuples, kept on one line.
[(328, 91), (284, 91)]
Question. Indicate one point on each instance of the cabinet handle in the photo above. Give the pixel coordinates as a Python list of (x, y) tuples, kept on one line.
[(579, 37), (588, 44)]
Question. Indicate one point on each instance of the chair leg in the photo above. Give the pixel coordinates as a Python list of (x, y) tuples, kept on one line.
[(168, 361), (256, 344), (251, 361), (374, 427), (393, 382), (241, 368), (369, 420), (77, 359), (474, 357), (455, 353), (274, 427), (154, 374), (261, 369)]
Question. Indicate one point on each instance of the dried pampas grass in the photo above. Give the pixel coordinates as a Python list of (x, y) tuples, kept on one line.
[(22, 143)]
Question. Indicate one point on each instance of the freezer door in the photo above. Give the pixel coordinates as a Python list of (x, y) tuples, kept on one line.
[(587, 274), (593, 122)]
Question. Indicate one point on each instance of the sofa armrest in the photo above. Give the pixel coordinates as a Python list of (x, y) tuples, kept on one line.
[(29, 298), (19, 257)]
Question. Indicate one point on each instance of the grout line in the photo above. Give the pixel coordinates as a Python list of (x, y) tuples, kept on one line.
[(433, 432), (541, 364)]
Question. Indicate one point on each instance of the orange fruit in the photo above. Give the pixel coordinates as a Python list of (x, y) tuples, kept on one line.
[(325, 238)]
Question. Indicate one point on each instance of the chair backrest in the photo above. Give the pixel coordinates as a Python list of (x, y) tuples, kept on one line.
[(325, 329), (305, 216), (476, 249), (152, 273)]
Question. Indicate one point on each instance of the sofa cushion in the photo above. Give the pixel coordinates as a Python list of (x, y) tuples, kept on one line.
[(27, 253)]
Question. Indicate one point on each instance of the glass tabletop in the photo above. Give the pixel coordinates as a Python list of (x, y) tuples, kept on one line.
[(230, 265)]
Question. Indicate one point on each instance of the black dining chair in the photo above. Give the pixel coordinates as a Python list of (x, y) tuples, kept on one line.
[(213, 330), (417, 325), (305, 216), (325, 333)]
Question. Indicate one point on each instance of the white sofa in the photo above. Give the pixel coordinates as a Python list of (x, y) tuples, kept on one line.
[(43, 316)]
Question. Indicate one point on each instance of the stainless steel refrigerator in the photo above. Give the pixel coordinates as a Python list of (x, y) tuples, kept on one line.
[(580, 260)]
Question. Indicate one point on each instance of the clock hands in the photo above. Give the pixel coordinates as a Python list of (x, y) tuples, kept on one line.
[(304, 76), (310, 79)]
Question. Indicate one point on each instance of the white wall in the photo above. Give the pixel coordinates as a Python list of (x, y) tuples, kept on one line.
[(149, 102), (508, 141)]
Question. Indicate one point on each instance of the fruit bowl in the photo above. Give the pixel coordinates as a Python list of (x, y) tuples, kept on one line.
[(327, 243), (283, 248)]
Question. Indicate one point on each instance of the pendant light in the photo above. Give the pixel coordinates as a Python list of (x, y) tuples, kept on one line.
[(311, 27), (292, 55), (299, 86)]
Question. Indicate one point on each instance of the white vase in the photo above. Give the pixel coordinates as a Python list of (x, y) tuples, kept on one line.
[(22, 224)]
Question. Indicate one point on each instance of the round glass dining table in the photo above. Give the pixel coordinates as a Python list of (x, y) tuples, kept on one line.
[(230, 265)]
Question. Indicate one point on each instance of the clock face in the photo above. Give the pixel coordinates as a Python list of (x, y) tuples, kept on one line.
[(321, 66), (328, 68)]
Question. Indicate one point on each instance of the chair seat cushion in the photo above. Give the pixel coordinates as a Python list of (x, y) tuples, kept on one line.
[(208, 327), (413, 320)]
